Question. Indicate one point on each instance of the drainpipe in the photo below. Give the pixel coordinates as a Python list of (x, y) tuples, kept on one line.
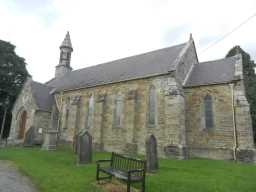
[(234, 123)]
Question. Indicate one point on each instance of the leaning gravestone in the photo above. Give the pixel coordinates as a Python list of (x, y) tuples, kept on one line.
[(84, 148), (29, 137), (151, 154)]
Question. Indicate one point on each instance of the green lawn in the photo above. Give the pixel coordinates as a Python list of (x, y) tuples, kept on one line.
[(57, 172)]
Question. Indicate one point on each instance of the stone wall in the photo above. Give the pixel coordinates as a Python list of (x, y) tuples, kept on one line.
[(244, 134), (230, 132), (221, 136), (35, 118), (131, 136), (243, 118), (24, 102)]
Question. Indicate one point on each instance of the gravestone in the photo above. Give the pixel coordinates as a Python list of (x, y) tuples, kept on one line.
[(29, 137), (84, 148), (151, 154), (51, 135), (50, 140)]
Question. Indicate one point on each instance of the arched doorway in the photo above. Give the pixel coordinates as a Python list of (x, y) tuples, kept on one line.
[(22, 124)]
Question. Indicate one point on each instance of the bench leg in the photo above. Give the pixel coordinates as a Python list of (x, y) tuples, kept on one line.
[(128, 186), (98, 178), (143, 186), (97, 173)]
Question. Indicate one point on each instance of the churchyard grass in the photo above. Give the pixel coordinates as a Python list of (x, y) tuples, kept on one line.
[(57, 171)]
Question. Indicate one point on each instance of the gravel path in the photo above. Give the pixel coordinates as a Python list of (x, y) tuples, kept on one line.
[(13, 181)]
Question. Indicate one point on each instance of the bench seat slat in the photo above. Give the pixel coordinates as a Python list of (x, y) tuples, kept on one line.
[(119, 174)]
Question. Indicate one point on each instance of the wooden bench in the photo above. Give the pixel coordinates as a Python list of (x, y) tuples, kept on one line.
[(124, 168)]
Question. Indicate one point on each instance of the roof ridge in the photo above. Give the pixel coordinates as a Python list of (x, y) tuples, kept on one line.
[(123, 58), (132, 67), (217, 60), (42, 84), (213, 72)]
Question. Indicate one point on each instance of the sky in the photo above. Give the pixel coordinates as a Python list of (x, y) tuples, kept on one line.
[(103, 31)]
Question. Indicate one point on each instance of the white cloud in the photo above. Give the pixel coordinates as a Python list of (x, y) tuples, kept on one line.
[(105, 30)]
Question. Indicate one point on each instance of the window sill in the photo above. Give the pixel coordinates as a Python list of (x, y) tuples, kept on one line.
[(151, 125), (116, 127)]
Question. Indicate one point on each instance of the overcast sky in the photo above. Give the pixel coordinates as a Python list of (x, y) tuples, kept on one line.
[(103, 30)]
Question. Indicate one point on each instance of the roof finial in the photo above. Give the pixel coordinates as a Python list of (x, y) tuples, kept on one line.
[(237, 49), (67, 42)]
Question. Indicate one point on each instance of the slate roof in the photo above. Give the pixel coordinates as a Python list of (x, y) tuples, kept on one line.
[(212, 72), (138, 66), (42, 96)]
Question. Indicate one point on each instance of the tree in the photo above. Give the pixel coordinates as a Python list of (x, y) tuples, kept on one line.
[(13, 74), (249, 81)]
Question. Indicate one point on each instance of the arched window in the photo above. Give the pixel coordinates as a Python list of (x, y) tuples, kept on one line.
[(118, 110), (208, 112), (89, 115), (152, 106), (66, 113)]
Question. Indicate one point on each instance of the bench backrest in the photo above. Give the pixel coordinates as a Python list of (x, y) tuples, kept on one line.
[(124, 163)]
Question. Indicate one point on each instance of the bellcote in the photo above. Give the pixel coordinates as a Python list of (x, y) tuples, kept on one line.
[(65, 57), (67, 42)]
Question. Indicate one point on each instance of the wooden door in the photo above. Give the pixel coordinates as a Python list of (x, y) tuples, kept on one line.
[(22, 124)]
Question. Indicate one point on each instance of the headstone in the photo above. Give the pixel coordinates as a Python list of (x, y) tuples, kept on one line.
[(84, 148), (50, 140), (246, 155), (151, 154), (51, 135), (29, 137)]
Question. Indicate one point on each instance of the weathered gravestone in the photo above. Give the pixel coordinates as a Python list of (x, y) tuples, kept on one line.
[(151, 154), (50, 140), (51, 135), (76, 140), (84, 148), (29, 137)]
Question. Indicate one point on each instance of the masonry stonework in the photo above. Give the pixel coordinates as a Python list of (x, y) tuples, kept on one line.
[(34, 118), (208, 142), (232, 129), (132, 134), (192, 109)]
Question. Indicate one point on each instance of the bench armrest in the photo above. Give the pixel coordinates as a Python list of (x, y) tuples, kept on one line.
[(103, 160), (131, 172), (98, 162)]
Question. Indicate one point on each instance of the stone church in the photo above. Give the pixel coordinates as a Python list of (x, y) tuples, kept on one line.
[(192, 108)]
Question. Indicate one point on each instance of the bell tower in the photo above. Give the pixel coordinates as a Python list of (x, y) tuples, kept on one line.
[(65, 56)]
